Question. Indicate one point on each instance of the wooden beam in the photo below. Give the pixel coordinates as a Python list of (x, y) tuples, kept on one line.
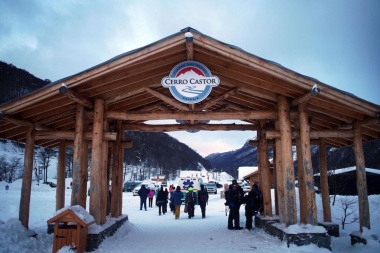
[(68, 135), (361, 181), (168, 100), (96, 162), (117, 174), (187, 127), (324, 181), (308, 175), (315, 134), (18, 122), (287, 162), (217, 99), (189, 46), (64, 90), (279, 177), (306, 97), (236, 115), (26, 188)]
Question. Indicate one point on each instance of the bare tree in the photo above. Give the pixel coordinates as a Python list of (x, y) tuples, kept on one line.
[(15, 167), (44, 156), (348, 207), (3, 168)]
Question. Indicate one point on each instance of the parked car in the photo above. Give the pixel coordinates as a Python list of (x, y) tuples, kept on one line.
[(129, 185), (211, 188), (135, 191), (246, 187)]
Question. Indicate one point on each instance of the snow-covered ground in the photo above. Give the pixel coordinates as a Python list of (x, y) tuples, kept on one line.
[(146, 231)]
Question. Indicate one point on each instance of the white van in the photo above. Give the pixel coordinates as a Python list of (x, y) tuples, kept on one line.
[(185, 182)]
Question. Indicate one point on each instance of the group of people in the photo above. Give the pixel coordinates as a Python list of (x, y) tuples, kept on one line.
[(175, 198), (162, 197), (235, 197)]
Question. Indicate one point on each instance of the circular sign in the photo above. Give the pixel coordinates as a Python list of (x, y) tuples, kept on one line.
[(190, 82)]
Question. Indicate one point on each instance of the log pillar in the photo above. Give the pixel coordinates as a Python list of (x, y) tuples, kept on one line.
[(117, 173), (276, 208), (264, 171), (104, 180), (83, 170), (311, 206), (324, 181), (27, 179), (279, 177), (287, 162), (96, 162), (61, 176), (361, 181), (77, 156), (301, 179)]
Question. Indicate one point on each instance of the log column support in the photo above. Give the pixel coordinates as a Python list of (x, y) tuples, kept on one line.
[(83, 170), (117, 173), (324, 181), (279, 177), (290, 214), (311, 206), (264, 170), (27, 179), (361, 181), (301, 179), (77, 187), (60, 193), (105, 175), (96, 162)]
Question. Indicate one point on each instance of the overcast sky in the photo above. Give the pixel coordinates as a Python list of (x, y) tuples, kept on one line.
[(336, 42)]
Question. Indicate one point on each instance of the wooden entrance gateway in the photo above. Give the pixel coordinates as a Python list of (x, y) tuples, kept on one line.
[(94, 107)]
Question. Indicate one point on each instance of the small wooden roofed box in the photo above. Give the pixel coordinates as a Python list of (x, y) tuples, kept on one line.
[(70, 229)]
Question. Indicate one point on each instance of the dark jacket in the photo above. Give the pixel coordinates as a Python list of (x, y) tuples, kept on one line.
[(143, 192), (234, 197), (161, 196), (177, 198), (202, 195)]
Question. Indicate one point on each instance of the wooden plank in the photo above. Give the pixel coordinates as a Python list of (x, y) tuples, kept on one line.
[(301, 178), (187, 127), (279, 177), (264, 171), (117, 173), (324, 181), (267, 114), (64, 90), (105, 169), (61, 176), (311, 211), (361, 181), (77, 155), (96, 162), (287, 162), (171, 101), (83, 169), (26, 180)]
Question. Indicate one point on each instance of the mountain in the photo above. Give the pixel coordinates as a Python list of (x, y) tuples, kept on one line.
[(336, 158), (15, 82)]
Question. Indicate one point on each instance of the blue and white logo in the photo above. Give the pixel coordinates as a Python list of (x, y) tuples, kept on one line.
[(190, 82)]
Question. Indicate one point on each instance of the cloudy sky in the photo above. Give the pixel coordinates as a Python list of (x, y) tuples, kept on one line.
[(336, 42)]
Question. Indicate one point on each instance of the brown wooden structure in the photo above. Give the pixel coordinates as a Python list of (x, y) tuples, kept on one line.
[(69, 230), (94, 107)]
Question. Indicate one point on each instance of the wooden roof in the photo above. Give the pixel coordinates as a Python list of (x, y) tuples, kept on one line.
[(130, 85)]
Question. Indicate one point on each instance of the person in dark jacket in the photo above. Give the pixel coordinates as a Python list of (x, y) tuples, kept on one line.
[(190, 200), (203, 200), (161, 200), (234, 199), (176, 199), (252, 203), (143, 193)]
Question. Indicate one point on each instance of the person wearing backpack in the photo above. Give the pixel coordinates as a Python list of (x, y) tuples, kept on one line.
[(203, 200), (190, 201), (234, 200), (258, 203), (252, 200)]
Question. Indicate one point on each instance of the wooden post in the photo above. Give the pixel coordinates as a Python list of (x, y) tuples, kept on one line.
[(27, 179), (324, 181), (96, 162), (264, 171), (361, 181), (104, 177), (287, 162), (61, 176), (276, 207), (279, 177), (117, 173), (301, 179), (311, 206), (77, 155), (83, 170)]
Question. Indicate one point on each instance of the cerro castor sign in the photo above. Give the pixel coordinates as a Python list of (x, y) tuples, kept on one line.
[(190, 82)]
